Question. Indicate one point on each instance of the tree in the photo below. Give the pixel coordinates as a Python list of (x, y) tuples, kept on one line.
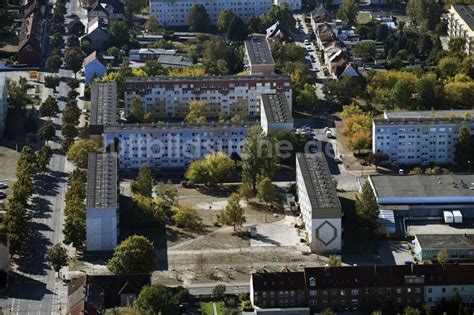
[(282, 13), (401, 94), (44, 156), (187, 217), (18, 97), (307, 98), (72, 95), (118, 33), (464, 148), (75, 27), (457, 44), (54, 61), (266, 190), (16, 223), (75, 231), (136, 109), (146, 205), (377, 158), (197, 111), (442, 256), (245, 190), (143, 184), (411, 311), (157, 299), (73, 58), (167, 191), (341, 91), (134, 6), (51, 82), (365, 50), (367, 207), (154, 68), (27, 165), (233, 213), (151, 25), (348, 11), (258, 158), (334, 261), (255, 25), (78, 153), (219, 291), (57, 257), (224, 19), (449, 66), (73, 83), (73, 41), (237, 30), (426, 13), (47, 130), (426, 96), (327, 311), (214, 169), (134, 255), (71, 113), (198, 19), (49, 107)]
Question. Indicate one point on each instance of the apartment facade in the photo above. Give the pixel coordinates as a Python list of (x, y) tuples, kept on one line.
[(172, 145), (319, 203), (3, 102), (175, 12), (366, 288), (169, 97), (102, 202), (419, 138), (461, 24)]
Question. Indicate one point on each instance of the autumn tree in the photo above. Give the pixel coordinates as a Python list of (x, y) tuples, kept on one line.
[(151, 25), (367, 207), (214, 169), (198, 110), (233, 213), (143, 184), (266, 190), (442, 256), (334, 261), (47, 130), (44, 156), (224, 19), (134, 255), (136, 109), (186, 216), (78, 153)]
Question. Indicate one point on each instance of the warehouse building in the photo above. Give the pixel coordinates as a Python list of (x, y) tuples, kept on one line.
[(319, 204), (102, 203)]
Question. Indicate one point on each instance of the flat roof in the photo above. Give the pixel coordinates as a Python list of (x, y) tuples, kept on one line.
[(208, 78), (424, 121), (319, 185), (177, 126), (103, 103), (276, 108), (429, 114), (258, 50), (102, 181), (446, 241), (439, 188), (466, 12)]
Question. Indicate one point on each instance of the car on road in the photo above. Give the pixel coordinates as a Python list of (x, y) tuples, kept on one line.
[(3, 185), (3, 195)]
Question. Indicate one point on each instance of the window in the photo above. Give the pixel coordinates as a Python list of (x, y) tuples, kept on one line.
[(417, 290), (430, 290), (312, 282), (399, 291), (313, 302), (355, 292), (312, 293)]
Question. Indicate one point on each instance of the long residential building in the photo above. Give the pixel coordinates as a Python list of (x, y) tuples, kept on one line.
[(175, 12), (362, 288), (258, 56), (319, 203), (461, 24), (3, 102), (275, 113), (419, 138), (169, 97), (102, 202), (172, 145)]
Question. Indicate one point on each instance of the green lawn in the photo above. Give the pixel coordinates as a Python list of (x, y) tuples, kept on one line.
[(207, 309)]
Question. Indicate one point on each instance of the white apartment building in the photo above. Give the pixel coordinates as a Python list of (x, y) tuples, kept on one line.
[(319, 203), (419, 138), (461, 24), (168, 97), (275, 113), (102, 203), (172, 145), (175, 12), (435, 294), (3, 102)]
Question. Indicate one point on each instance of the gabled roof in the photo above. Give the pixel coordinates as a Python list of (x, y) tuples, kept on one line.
[(32, 27), (93, 56), (107, 6), (279, 33), (275, 281), (321, 15)]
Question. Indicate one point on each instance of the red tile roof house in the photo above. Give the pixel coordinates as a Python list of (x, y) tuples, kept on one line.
[(31, 37), (94, 294)]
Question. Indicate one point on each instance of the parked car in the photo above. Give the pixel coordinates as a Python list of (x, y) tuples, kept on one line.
[(3, 195), (3, 185)]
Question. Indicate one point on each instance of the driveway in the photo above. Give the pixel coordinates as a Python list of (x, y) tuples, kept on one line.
[(280, 233), (393, 253)]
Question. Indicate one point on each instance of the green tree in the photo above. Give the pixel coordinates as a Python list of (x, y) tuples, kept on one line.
[(73, 41), (237, 30), (75, 231), (27, 164), (73, 58), (44, 156), (233, 213), (76, 27), (187, 217), (365, 50), (51, 82), (426, 13), (18, 97), (214, 169), (73, 83), (156, 299), (281, 13), (69, 132), (258, 157), (148, 206), (47, 130), (224, 19), (245, 190), (348, 11), (449, 66), (167, 191), (367, 207), (54, 62), (57, 257), (71, 113), (78, 153), (457, 44), (334, 261), (49, 107), (136, 109), (327, 311), (266, 190), (341, 91), (442, 256), (464, 148), (134, 255), (255, 25), (151, 25), (401, 94), (118, 34), (197, 111), (427, 95), (219, 291), (143, 184), (198, 19), (411, 311), (134, 6), (16, 223), (307, 98), (154, 68)]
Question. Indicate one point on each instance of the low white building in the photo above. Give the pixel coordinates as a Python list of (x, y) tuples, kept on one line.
[(172, 145), (102, 203), (319, 204), (275, 114), (3, 102), (420, 138)]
